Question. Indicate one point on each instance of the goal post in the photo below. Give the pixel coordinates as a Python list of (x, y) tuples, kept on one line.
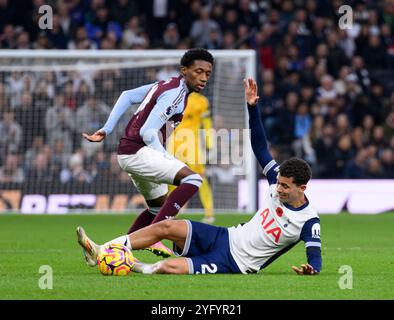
[(59, 171)]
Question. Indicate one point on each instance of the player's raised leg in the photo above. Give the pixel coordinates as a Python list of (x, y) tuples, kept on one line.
[(173, 230), (188, 183), (146, 217)]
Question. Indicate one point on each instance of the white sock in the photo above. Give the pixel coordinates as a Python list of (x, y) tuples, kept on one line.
[(123, 240), (151, 268)]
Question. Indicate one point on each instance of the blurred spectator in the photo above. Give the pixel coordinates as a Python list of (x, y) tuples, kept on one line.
[(201, 28), (122, 10), (63, 23), (302, 128), (248, 14), (89, 118), (81, 40), (60, 124), (134, 35), (42, 96), (10, 135), (60, 156), (356, 167), (374, 54), (58, 35), (285, 124), (171, 36), (343, 154), (10, 172), (8, 37), (324, 148), (31, 120), (361, 73), (157, 14), (42, 42), (101, 26), (326, 93), (230, 21), (70, 99), (75, 171), (23, 41), (269, 105), (101, 168), (387, 160), (336, 57), (106, 83), (39, 172), (374, 169), (31, 153)]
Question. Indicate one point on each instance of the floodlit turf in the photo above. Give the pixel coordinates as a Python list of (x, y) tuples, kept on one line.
[(365, 243)]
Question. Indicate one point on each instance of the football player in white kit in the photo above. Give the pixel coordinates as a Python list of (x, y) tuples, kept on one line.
[(285, 218)]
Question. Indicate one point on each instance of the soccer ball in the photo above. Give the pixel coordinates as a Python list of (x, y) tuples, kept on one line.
[(115, 260)]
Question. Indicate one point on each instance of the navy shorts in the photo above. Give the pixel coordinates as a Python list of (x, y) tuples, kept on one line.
[(207, 249)]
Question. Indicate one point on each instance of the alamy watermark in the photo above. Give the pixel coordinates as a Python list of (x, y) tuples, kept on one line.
[(230, 148), (346, 19), (46, 17), (345, 281), (45, 282)]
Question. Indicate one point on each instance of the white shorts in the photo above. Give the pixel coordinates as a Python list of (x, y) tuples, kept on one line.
[(151, 171)]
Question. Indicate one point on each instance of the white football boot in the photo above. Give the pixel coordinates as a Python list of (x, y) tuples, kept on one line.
[(90, 249)]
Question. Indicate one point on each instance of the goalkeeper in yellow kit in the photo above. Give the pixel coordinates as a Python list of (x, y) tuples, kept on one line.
[(186, 145)]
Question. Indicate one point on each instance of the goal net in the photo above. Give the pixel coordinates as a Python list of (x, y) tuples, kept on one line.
[(49, 98)]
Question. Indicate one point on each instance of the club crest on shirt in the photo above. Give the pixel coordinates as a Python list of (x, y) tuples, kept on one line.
[(170, 109)]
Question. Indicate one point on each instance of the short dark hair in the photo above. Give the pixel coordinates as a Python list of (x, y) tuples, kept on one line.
[(297, 169), (196, 54)]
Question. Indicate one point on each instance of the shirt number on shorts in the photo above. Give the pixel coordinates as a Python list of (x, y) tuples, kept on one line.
[(212, 268)]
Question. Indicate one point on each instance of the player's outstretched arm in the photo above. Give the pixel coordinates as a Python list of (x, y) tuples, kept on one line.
[(125, 100), (258, 138)]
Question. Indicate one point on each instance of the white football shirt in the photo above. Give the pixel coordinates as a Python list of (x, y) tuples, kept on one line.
[(272, 231)]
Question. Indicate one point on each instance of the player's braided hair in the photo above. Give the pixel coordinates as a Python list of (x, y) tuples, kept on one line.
[(196, 54), (297, 169)]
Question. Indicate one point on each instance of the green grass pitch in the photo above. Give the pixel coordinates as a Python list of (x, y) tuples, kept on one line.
[(363, 242)]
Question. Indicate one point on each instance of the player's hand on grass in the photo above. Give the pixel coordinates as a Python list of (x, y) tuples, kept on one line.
[(306, 269), (251, 91), (98, 136)]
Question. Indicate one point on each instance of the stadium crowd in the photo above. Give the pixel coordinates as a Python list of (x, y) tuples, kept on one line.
[(326, 94)]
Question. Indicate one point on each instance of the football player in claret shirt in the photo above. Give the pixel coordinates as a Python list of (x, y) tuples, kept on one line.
[(141, 151), (285, 218)]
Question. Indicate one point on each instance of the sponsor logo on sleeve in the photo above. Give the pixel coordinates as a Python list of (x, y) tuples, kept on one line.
[(316, 231), (170, 109)]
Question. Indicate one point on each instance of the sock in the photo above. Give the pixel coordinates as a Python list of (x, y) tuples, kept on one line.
[(206, 198), (123, 240), (146, 268), (175, 201), (144, 219)]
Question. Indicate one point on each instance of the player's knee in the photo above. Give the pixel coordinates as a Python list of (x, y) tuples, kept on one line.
[(164, 228), (194, 179)]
